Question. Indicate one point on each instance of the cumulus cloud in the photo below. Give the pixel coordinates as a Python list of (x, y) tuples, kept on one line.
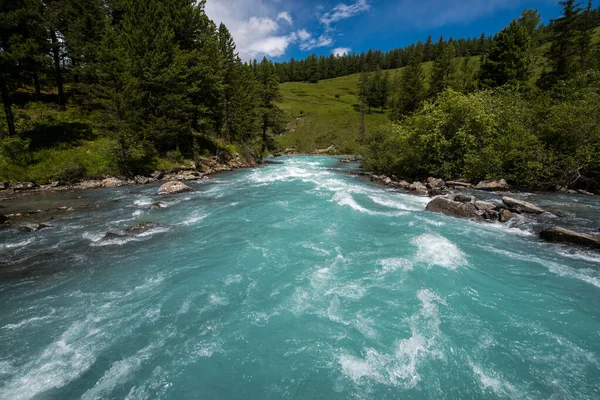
[(344, 11), (255, 27), (308, 42), (286, 17), (340, 51)]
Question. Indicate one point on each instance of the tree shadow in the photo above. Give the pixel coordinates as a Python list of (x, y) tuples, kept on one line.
[(46, 136)]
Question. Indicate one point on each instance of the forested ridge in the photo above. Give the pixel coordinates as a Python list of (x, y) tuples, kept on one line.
[(94, 87), (531, 117)]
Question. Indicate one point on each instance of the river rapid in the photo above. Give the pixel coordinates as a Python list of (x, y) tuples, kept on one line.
[(295, 280)]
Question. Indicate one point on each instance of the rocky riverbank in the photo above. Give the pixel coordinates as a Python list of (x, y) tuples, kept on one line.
[(449, 199), (34, 220), (190, 172)]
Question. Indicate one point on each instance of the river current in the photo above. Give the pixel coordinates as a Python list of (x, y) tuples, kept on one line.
[(295, 280)]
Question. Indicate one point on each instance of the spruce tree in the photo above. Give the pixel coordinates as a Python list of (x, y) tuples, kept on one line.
[(443, 69), (18, 44), (412, 90), (586, 26), (363, 95), (563, 52), (509, 59), (270, 114)]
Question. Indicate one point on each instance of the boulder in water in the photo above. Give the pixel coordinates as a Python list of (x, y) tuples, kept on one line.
[(521, 206), (113, 236), (462, 198), (562, 235), (484, 205), (490, 215), (142, 227), (32, 227), (174, 187), (453, 208), (505, 216), (458, 184), (493, 186), (3, 218)]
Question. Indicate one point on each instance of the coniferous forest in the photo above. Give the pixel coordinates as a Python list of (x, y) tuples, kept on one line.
[(92, 88)]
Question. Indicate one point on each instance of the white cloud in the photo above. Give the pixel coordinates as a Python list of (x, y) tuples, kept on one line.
[(311, 43), (254, 26), (344, 11), (304, 35), (340, 51), (286, 17)]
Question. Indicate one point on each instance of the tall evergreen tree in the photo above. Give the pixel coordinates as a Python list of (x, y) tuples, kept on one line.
[(562, 55), (18, 45), (443, 69), (586, 26), (270, 113), (509, 60), (412, 91), (363, 95)]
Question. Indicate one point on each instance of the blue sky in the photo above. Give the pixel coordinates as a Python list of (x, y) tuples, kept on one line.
[(281, 29)]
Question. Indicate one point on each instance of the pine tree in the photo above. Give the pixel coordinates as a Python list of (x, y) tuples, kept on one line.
[(412, 91), (443, 69), (18, 45), (509, 59), (586, 26), (428, 49), (270, 114), (562, 55)]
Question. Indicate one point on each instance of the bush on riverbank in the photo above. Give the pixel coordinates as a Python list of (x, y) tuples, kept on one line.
[(531, 139)]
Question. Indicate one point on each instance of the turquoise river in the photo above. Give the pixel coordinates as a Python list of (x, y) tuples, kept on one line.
[(294, 280)]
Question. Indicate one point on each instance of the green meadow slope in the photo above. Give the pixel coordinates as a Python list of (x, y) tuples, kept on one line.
[(326, 113)]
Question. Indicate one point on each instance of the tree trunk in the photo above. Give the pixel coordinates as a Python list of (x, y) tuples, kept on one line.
[(59, 78), (10, 120), (36, 83)]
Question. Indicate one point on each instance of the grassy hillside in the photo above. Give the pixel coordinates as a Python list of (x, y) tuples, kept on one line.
[(327, 112)]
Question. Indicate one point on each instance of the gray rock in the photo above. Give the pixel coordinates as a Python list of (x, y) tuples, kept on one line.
[(581, 191), (484, 205), (112, 182), (113, 236), (434, 183), (453, 208), (437, 191), (490, 215), (461, 198), (141, 180), (3, 218), (32, 227), (142, 227), (24, 186), (562, 235), (3, 186), (417, 186), (403, 184), (395, 178), (520, 206), (174, 188), (156, 206), (457, 184), (387, 180), (505, 216), (158, 175), (493, 186)]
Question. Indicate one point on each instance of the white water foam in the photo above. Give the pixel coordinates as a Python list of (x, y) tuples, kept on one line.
[(344, 198), (16, 245), (436, 250), (401, 202), (401, 368), (495, 383), (32, 320)]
